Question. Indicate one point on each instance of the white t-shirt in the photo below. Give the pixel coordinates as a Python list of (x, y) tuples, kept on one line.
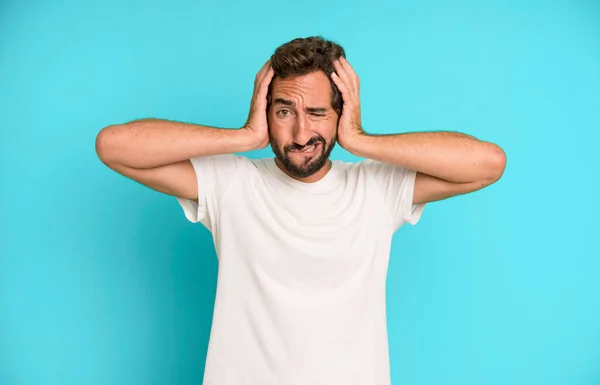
[(302, 269)]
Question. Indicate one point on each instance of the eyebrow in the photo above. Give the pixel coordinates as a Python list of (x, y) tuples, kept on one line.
[(287, 102)]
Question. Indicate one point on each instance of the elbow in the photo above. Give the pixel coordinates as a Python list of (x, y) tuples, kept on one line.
[(497, 164), (104, 145)]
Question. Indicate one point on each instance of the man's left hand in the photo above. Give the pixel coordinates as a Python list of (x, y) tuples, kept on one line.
[(346, 80)]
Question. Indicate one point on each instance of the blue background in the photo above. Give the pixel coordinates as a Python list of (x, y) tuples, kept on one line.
[(103, 281)]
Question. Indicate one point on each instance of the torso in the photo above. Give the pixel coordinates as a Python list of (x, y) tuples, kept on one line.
[(301, 288)]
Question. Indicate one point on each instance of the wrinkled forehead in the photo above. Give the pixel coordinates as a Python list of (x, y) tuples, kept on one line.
[(313, 88)]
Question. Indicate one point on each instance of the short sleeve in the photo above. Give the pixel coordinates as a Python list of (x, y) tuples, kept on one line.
[(215, 175), (397, 184)]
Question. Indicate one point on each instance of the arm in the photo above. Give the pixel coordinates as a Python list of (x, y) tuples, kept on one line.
[(447, 163), (152, 143), (157, 153)]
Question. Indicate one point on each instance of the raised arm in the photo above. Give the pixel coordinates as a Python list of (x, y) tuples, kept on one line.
[(157, 153), (447, 163)]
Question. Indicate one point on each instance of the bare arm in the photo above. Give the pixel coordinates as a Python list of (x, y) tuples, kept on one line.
[(157, 152), (151, 143), (447, 163)]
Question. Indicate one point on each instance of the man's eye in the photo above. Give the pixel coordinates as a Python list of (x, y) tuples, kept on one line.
[(283, 112)]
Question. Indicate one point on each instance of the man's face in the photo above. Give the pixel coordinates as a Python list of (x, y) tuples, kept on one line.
[(302, 123)]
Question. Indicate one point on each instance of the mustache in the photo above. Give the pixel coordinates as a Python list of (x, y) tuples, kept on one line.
[(313, 140)]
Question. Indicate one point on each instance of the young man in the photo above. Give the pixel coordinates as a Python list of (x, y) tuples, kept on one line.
[(303, 242)]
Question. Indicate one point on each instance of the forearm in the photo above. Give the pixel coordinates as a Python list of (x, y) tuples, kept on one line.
[(451, 156), (149, 143)]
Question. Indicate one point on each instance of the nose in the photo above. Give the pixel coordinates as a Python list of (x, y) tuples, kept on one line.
[(301, 131)]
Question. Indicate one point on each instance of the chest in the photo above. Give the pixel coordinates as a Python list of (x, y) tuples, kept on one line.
[(306, 241)]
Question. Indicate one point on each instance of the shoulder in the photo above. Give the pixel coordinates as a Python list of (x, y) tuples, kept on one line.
[(372, 168), (221, 159), (379, 169), (223, 164)]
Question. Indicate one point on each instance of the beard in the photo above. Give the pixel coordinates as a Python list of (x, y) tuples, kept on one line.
[(309, 165)]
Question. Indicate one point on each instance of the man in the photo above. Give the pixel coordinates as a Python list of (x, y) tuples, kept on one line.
[(303, 242)]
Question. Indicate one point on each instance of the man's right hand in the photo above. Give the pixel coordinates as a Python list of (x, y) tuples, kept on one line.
[(157, 153), (257, 124)]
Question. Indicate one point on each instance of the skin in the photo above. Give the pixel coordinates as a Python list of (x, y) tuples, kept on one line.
[(156, 153), (447, 163), (301, 118)]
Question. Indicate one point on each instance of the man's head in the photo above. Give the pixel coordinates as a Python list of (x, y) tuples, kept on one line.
[(304, 105)]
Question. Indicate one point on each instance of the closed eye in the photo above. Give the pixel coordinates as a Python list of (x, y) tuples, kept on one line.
[(284, 113)]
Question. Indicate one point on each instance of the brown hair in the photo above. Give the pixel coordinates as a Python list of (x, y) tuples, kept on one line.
[(302, 56)]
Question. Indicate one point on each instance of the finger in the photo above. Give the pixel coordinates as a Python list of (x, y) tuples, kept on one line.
[(341, 72), (351, 73), (263, 87), (261, 73), (265, 66), (343, 87), (266, 71), (259, 80), (349, 95), (266, 80)]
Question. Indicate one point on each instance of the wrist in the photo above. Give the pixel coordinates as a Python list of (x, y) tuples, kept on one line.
[(355, 144), (250, 140)]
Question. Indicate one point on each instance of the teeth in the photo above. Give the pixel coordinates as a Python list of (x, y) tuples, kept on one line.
[(307, 148)]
